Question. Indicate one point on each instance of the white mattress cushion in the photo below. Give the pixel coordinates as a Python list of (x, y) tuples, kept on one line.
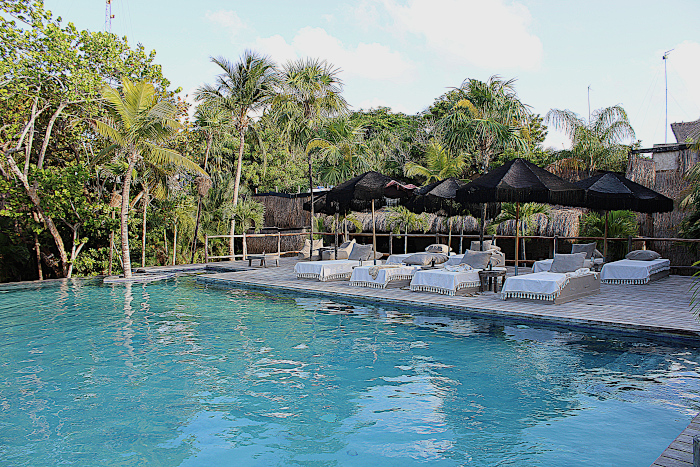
[(443, 281), (361, 276), (629, 271), (325, 270)]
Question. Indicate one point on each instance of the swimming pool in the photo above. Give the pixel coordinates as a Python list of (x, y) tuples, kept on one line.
[(178, 374)]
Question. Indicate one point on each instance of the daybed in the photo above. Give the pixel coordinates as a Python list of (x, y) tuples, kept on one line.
[(344, 250), (594, 259), (638, 267), (450, 280), (333, 270), (381, 277), (324, 271), (552, 287)]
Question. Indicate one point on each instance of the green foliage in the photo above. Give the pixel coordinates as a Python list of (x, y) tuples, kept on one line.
[(621, 224), (597, 144), (439, 165), (248, 213), (401, 219), (527, 213)]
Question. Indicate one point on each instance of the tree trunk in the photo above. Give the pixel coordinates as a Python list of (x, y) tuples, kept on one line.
[(111, 249), (311, 190), (37, 248), (210, 137), (232, 232), (143, 229), (175, 243), (237, 182), (126, 257)]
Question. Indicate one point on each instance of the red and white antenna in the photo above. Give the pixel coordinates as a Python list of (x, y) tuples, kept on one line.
[(108, 16)]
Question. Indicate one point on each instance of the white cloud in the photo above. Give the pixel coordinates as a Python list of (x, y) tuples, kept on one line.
[(488, 34), (373, 61), (228, 19)]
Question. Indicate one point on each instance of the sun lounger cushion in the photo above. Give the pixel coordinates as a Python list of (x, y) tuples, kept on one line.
[(544, 265), (438, 248), (325, 270), (642, 255), (305, 251), (540, 285), (443, 281), (343, 251), (567, 263), (476, 259), (588, 248), (426, 259), (379, 277), (488, 245), (360, 252), (628, 271)]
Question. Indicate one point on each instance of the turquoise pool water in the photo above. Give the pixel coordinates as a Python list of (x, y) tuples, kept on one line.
[(177, 374)]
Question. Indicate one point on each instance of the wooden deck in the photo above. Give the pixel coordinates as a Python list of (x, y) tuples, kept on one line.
[(680, 451), (658, 307)]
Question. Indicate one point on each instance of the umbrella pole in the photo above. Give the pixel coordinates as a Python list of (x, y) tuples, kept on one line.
[(335, 227), (483, 226), (605, 239), (461, 234), (374, 237), (517, 236), (449, 235)]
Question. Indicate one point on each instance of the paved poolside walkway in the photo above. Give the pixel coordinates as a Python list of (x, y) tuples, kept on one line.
[(662, 306)]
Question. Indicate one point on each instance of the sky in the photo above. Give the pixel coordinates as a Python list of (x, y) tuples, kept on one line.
[(405, 54)]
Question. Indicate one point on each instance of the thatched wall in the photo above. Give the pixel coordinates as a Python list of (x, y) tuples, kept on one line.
[(672, 184), (284, 211), (563, 222)]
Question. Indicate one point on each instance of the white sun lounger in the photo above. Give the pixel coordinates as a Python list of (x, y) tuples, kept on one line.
[(385, 276), (544, 265), (446, 282), (552, 287), (629, 271), (333, 270)]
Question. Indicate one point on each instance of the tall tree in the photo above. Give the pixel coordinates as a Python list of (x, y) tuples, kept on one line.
[(310, 93), (243, 89), (342, 150), (138, 125), (484, 119), (595, 144)]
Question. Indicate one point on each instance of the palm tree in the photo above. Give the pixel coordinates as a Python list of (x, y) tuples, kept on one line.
[(211, 121), (342, 150), (138, 123), (595, 144), (399, 218), (439, 164), (182, 215), (527, 213), (485, 119), (310, 93), (242, 90), (621, 224)]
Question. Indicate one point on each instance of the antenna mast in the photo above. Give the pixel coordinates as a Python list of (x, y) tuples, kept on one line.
[(108, 16), (665, 58)]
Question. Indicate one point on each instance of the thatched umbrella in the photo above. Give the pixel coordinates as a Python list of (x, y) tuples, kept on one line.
[(610, 191), (370, 186), (520, 181)]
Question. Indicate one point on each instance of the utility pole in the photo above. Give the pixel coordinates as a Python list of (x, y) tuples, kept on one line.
[(108, 16), (589, 104), (665, 58)]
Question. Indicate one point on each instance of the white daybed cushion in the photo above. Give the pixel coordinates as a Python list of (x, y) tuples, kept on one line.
[(629, 271), (443, 281), (454, 260), (361, 276), (544, 265), (325, 270), (398, 259), (539, 285)]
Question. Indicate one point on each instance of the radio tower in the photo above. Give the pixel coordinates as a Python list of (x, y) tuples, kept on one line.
[(108, 16)]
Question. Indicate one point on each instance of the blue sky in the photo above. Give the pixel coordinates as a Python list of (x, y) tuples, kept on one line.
[(404, 54)]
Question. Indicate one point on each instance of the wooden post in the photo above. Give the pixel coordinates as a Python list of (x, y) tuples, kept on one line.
[(517, 236), (279, 243), (629, 243), (206, 248), (696, 451), (391, 243), (374, 236), (605, 240), (461, 235)]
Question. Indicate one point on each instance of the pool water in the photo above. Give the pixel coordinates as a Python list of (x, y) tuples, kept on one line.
[(178, 374)]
